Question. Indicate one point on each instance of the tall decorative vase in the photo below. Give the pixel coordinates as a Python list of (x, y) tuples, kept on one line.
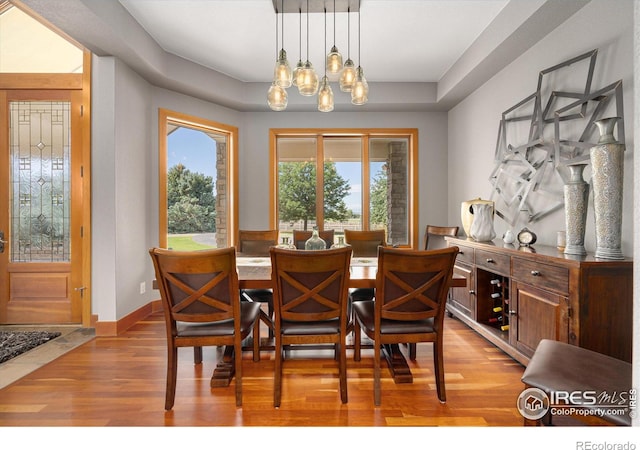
[(576, 198), (607, 165)]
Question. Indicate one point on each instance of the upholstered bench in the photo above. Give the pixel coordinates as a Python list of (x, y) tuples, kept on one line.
[(578, 377)]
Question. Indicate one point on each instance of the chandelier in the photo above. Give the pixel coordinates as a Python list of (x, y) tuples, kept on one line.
[(304, 76)]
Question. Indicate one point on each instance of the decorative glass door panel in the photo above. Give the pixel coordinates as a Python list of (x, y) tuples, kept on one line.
[(41, 265), (40, 181)]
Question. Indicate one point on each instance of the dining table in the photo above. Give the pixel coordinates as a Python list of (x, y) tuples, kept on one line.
[(254, 272)]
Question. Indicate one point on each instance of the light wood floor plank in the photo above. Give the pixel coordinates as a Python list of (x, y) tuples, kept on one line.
[(120, 381)]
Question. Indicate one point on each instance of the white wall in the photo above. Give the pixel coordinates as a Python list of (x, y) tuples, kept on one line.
[(473, 124), (121, 190)]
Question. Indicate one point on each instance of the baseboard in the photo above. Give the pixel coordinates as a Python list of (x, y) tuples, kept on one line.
[(117, 327)]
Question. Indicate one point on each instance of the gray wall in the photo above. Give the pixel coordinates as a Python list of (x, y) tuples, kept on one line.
[(473, 123)]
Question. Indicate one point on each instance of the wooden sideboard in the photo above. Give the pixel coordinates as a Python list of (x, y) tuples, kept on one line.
[(516, 296)]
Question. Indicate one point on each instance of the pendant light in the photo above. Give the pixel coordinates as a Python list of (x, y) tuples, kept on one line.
[(297, 71), (348, 75), (282, 73), (277, 95), (308, 81), (325, 95), (334, 58), (360, 89)]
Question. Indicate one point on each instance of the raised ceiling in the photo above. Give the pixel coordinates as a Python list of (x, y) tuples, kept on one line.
[(418, 55)]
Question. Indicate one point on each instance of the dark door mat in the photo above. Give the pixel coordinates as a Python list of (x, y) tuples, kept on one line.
[(14, 343)]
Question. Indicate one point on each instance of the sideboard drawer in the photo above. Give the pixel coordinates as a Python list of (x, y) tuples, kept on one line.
[(465, 254), (541, 275), (494, 262)]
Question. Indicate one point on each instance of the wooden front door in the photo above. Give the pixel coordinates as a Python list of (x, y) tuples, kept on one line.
[(41, 270)]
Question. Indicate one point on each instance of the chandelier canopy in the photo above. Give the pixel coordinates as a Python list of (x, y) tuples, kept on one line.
[(304, 77)]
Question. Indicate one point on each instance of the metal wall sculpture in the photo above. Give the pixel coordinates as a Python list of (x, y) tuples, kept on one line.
[(531, 165)]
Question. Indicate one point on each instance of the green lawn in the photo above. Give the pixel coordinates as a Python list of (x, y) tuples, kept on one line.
[(185, 243)]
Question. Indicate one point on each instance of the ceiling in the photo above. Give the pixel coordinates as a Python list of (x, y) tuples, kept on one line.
[(417, 55), (418, 40)]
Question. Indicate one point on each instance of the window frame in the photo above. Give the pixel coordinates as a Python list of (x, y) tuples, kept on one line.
[(411, 134), (164, 117)]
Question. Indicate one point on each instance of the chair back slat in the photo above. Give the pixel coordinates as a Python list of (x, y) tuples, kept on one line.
[(197, 286), (413, 285), (434, 236), (300, 237), (310, 285), (256, 242), (365, 243)]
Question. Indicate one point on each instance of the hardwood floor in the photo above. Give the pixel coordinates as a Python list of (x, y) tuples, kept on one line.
[(120, 381)]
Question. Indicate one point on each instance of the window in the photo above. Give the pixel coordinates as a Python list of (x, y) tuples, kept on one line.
[(332, 179), (198, 186)]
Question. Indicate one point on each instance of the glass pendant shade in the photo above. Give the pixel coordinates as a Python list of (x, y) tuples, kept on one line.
[(283, 75), (348, 76), (325, 96), (277, 97), (360, 89), (334, 61), (308, 83), (297, 73)]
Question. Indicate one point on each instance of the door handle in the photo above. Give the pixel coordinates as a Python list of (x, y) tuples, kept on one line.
[(2, 242)]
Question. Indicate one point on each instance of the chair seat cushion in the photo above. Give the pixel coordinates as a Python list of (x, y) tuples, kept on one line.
[(360, 294), (310, 328), (248, 312), (365, 311), (259, 295), (557, 366)]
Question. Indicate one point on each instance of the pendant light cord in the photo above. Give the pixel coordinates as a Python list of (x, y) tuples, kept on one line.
[(325, 41), (307, 30), (334, 23)]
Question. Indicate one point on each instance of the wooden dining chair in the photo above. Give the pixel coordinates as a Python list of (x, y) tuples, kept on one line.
[(301, 236), (434, 236), (310, 297), (411, 293), (257, 243), (202, 307)]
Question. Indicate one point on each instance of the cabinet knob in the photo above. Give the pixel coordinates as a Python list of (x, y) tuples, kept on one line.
[(535, 273), (489, 260), (472, 292), (512, 312)]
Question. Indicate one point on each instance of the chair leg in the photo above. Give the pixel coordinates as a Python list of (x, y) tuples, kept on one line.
[(277, 378), (357, 332), (197, 355), (256, 340), (270, 311), (238, 365), (412, 351), (343, 372), (438, 363), (172, 375), (376, 373)]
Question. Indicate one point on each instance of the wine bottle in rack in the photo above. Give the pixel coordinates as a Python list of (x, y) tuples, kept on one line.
[(496, 295), (497, 309), (505, 327), (498, 319), (495, 281)]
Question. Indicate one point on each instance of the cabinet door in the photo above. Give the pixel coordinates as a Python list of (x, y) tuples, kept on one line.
[(536, 314), (463, 299)]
